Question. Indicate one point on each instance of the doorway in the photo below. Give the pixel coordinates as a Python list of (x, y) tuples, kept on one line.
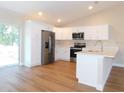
[(9, 45)]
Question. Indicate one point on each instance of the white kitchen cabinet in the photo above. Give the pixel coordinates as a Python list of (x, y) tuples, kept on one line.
[(58, 32), (100, 32), (62, 53), (69, 32), (32, 42), (63, 33)]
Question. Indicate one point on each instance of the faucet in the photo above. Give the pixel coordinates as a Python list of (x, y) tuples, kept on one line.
[(101, 43)]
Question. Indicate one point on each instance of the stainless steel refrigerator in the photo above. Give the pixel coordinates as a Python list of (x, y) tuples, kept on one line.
[(48, 47)]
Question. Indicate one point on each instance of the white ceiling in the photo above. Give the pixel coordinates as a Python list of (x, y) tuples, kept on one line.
[(68, 11)]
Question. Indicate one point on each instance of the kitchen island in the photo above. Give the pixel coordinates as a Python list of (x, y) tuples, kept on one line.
[(93, 67)]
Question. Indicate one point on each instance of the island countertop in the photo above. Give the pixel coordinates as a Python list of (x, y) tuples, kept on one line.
[(111, 52)]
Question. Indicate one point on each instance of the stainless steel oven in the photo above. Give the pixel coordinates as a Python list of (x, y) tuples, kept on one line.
[(77, 47), (72, 53)]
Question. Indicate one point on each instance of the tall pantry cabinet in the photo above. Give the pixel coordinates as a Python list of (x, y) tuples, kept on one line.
[(32, 42)]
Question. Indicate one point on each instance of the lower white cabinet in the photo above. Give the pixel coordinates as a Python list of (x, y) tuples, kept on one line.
[(62, 53)]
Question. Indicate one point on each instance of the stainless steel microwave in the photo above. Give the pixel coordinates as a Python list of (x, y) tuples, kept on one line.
[(78, 36)]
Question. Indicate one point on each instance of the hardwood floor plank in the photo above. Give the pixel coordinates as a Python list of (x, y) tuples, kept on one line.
[(59, 76)]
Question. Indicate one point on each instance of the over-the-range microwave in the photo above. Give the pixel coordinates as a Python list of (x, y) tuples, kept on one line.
[(78, 36)]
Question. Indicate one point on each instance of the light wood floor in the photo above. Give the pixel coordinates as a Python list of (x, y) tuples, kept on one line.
[(59, 76)]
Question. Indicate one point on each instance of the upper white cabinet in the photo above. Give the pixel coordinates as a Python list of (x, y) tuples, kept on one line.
[(63, 33), (100, 32)]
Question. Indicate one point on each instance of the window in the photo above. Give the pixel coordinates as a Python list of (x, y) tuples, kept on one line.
[(9, 44)]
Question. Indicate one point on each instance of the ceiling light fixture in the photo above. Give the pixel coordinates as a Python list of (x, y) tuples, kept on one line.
[(59, 20), (40, 13), (90, 7)]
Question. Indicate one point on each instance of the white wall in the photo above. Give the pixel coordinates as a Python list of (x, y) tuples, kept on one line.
[(113, 16)]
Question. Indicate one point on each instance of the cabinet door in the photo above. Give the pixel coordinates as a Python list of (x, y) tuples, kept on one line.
[(90, 33), (62, 53), (67, 33), (80, 29), (63, 33), (36, 43), (58, 33), (96, 32), (27, 44)]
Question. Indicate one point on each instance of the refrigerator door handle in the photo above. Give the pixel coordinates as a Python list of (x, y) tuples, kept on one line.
[(50, 46)]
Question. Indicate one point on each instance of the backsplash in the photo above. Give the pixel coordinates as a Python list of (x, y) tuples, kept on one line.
[(69, 43), (64, 43)]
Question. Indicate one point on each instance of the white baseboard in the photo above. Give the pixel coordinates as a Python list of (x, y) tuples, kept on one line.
[(100, 87), (118, 65)]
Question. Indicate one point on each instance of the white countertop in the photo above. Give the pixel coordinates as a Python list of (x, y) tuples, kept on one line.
[(110, 52)]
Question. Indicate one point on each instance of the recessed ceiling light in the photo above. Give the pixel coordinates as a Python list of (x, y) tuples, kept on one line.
[(59, 20), (40, 13), (90, 7)]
